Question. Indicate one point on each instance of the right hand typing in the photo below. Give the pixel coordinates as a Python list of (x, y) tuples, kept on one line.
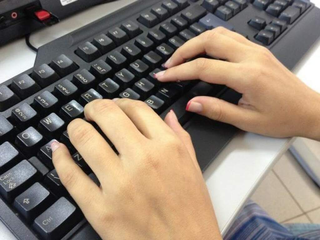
[(274, 102)]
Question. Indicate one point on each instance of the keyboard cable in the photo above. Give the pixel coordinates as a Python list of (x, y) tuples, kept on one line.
[(33, 48)]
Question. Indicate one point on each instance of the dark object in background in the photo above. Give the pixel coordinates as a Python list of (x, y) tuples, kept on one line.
[(19, 18)]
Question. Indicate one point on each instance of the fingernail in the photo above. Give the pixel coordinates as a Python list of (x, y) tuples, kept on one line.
[(194, 107), (173, 114), (55, 145), (160, 74), (115, 99), (167, 64)]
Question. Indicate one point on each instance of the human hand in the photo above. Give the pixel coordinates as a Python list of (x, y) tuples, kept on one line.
[(274, 103), (153, 189)]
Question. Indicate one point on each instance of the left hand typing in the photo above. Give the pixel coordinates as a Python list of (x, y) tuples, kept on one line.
[(152, 190)]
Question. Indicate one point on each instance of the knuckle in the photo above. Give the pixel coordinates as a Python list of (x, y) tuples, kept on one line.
[(220, 30), (215, 111), (68, 179), (99, 106), (80, 131), (201, 64)]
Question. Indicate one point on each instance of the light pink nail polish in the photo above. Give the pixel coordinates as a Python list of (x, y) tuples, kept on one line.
[(55, 145), (194, 107), (160, 74)]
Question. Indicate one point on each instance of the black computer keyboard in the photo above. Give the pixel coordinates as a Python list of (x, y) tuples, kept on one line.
[(117, 56)]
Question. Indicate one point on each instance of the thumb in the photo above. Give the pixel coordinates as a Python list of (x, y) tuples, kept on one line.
[(172, 121), (221, 111)]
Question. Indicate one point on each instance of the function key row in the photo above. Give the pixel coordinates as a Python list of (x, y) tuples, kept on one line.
[(42, 76), (103, 43)]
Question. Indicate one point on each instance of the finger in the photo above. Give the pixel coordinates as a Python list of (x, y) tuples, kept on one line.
[(77, 183), (172, 121), (115, 124), (208, 70), (212, 43), (236, 36), (222, 111), (93, 148), (146, 120)]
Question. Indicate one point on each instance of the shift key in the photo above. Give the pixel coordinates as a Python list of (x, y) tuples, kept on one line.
[(17, 179), (57, 220)]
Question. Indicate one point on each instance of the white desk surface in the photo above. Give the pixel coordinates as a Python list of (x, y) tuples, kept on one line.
[(237, 171)]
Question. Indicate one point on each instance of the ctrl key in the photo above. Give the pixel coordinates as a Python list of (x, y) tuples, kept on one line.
[(57, 220)]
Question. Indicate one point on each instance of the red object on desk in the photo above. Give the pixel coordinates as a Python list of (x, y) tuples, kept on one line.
[(43, 15)]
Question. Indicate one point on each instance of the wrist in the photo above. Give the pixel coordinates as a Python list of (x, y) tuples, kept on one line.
[(311, 128)]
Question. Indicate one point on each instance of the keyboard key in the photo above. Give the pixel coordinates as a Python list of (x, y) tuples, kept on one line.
[(186, 35), (94, 178), (81, 162), (179, 22), (197, 28), (53, 182), (131, 29), (261, 4), (235, 7), (168, 29), (71, 111), (24, 86), (157, 36), (274, 29), (89, 96), (101, 70), (301, 5), (144, 88), (155, 103), (84, 79), (168, 93), (274, 10), (63, 65), (116, 60), (109, 88), (51, 126), (34, 201), (29, 141), (182, 3), (118, 36), (9, 156), (45, 154), (12, 182), (290, 15), (41, 168), (175, 42), (243, 3), (148, 19), (210, 5), (160, 12), (103, 43), (224, 13), (265, 37), (6, 130), (88, 52), (129, 93), (152, 59), (131, 52), (124, 78), (24, 116), (280, 23), (65, 139), (170, 6), (151, 77), (7, 98), (139, 68), (210, 21), (194, 13), (257, 23), (164, 51), (45, 103), (144, 43), (282, 3), (44, 75), (65, 90), (57, 220)]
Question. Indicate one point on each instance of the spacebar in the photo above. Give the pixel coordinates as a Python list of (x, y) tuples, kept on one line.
[(14, 224)]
